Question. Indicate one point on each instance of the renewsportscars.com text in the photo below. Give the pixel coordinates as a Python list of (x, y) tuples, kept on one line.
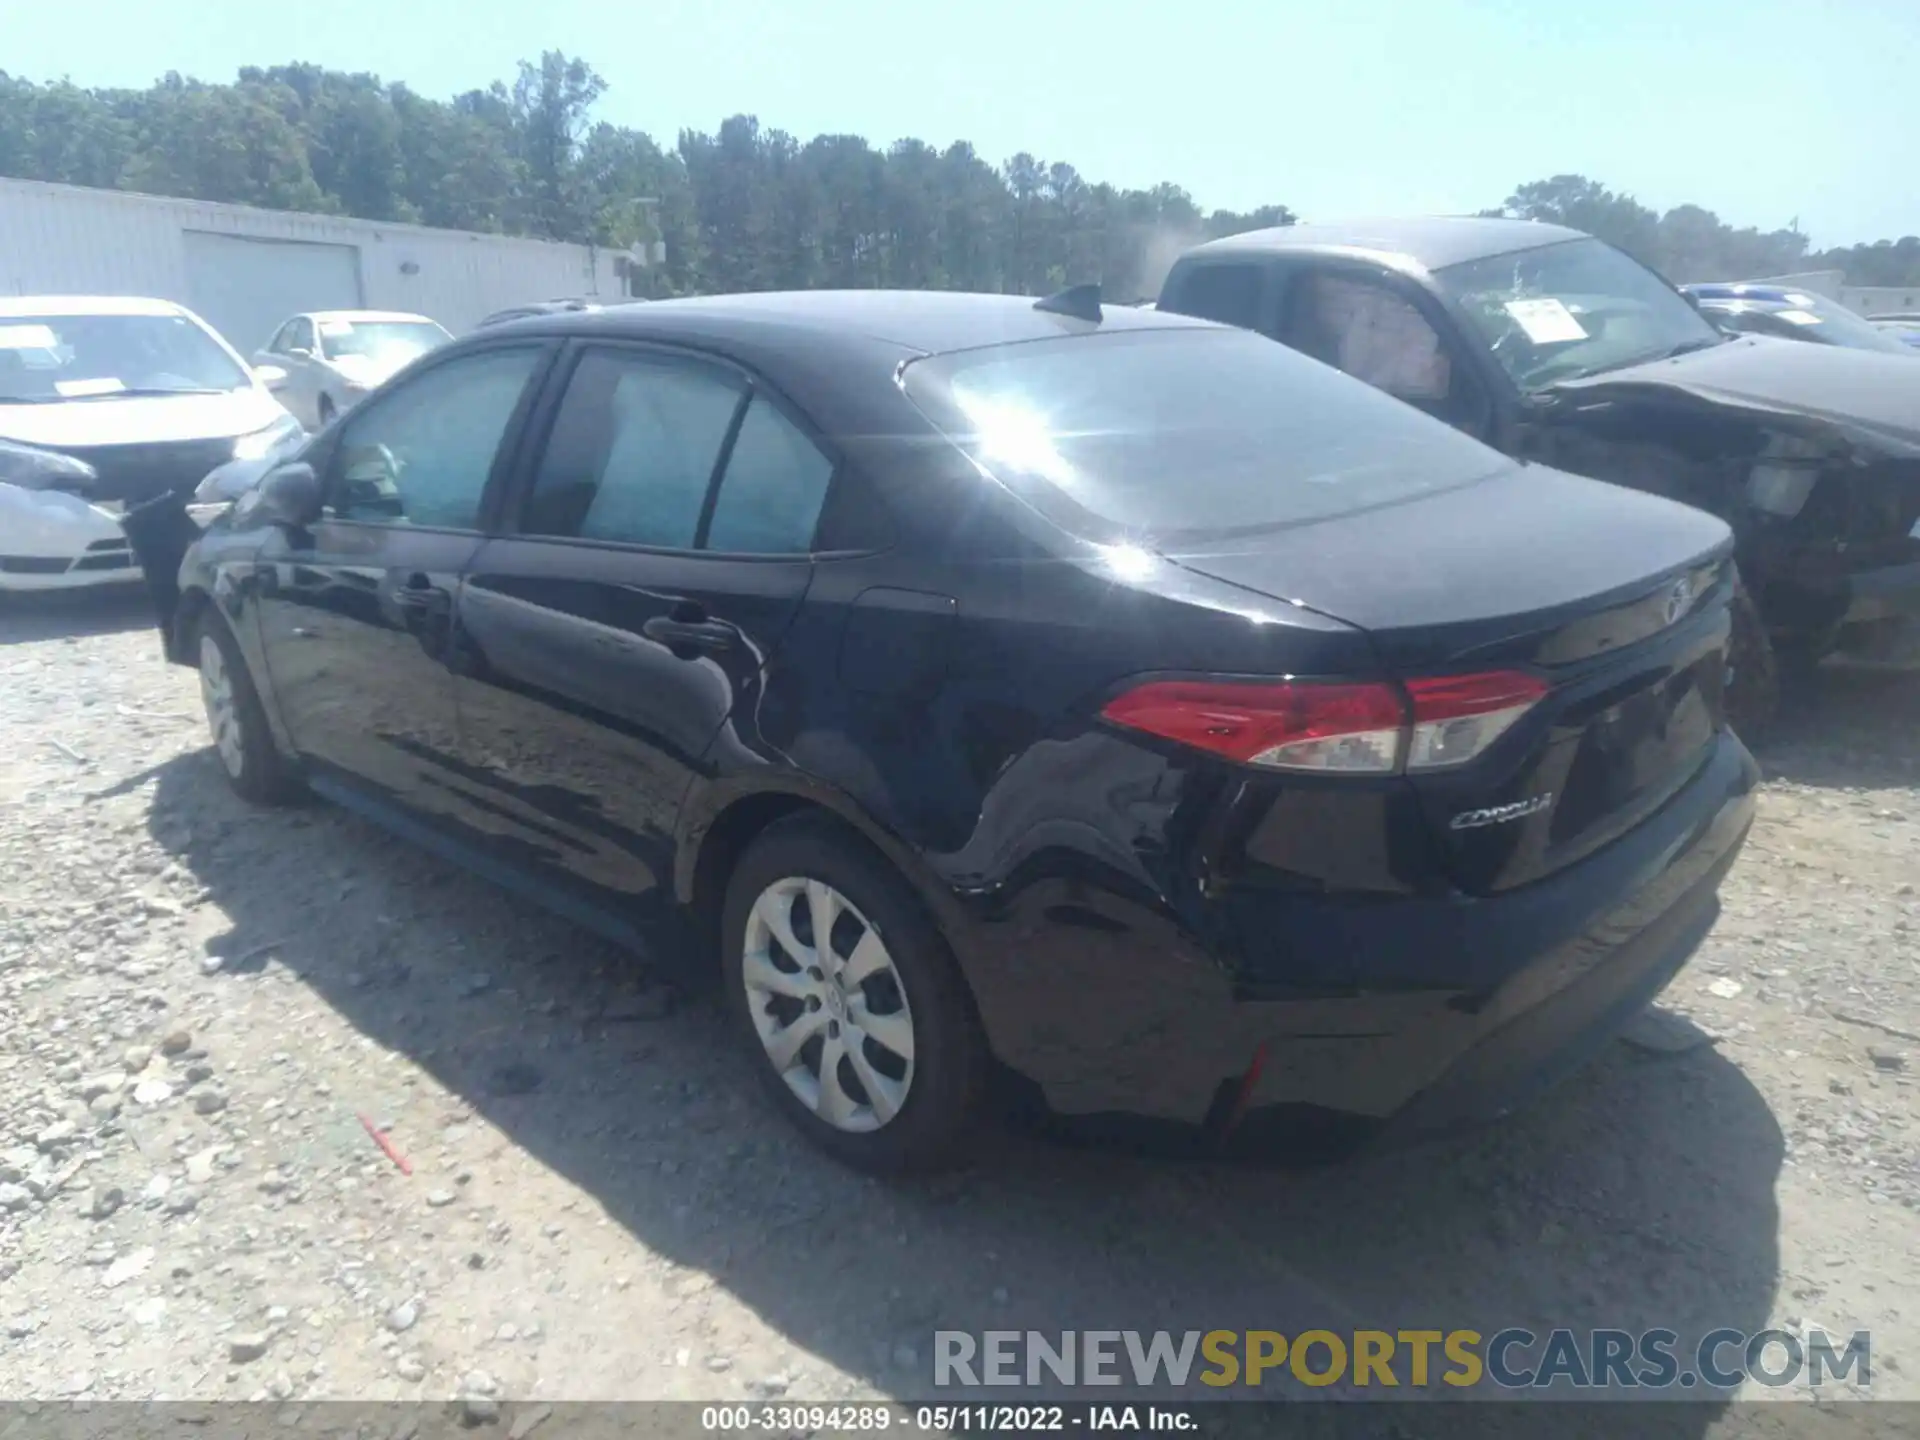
[(1509, 1359)]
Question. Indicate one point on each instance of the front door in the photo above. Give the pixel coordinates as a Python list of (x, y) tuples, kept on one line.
[(357, 614), (662, 550)]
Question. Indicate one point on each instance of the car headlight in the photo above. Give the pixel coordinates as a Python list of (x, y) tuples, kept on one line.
[(1783, 476), (262, 443), (32, 468)]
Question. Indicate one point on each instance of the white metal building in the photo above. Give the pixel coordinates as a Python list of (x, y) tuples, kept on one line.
[(1863, 299), (246, 270)]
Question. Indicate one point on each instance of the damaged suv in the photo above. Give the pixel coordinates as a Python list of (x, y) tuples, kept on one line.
[(1556, 347)]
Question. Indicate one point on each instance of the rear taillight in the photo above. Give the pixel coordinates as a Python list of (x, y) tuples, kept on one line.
[(1455, 717), (1314, 725), (1288, 725)]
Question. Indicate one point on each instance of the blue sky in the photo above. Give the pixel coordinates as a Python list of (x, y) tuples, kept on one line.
[(1762, 110)]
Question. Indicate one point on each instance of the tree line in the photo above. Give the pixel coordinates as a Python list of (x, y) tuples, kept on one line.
[(1690, 243), (745, 207)]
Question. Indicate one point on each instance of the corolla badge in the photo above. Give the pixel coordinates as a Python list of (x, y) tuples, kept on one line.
[(1679, 597), (1500, 814)]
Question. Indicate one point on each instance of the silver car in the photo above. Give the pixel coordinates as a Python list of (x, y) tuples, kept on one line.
[(334, 357)]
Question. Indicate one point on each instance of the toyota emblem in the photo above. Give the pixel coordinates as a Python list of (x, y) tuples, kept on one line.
[(1678, 599)]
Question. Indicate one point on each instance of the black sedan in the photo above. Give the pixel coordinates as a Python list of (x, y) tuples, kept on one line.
[(1101, 701)]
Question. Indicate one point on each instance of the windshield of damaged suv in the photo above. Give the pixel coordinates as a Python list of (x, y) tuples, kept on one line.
[(1186, 433), (80, 357), (1577, 308)]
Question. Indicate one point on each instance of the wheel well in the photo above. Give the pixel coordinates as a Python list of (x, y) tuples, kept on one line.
[(732, 832)]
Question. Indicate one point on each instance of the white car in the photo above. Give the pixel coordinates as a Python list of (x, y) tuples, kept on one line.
[(334, 357), (105, 403)]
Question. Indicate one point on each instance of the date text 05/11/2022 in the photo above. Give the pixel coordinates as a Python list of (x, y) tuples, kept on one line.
[(944, 1419)]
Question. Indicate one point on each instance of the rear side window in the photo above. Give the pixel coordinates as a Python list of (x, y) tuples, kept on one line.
[(1229, 294), (775, 484), (1187, 433), (633, 450)]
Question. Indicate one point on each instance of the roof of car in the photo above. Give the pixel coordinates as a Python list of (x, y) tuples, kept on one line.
[(368, 316), (1424, 242), (39, 305), (927, 321)]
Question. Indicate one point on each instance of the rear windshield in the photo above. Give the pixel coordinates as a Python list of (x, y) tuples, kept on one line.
[(1160, 434)]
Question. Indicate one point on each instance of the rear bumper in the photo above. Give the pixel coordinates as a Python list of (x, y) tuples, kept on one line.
[(1455, 1007)]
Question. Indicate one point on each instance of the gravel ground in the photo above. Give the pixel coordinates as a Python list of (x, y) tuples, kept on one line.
[(203, 1008)]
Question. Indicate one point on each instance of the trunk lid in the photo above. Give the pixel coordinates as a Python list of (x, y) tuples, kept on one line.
[(1617, 598)]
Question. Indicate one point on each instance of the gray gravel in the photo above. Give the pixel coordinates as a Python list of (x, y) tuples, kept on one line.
[(204, 1007)]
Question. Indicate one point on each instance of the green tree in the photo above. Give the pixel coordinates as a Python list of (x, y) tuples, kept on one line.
[(744, 207), (1583, 204), (552, 107)]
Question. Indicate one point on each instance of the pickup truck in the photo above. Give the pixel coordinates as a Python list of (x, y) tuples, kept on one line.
[(1555, 347)]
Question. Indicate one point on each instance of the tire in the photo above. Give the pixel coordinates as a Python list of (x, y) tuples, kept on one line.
[(243, 742), (893, 1118), (1753, 688)]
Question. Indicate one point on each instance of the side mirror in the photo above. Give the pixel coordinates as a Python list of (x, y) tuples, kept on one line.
[(300, 352), (288, 497), (274, 377)]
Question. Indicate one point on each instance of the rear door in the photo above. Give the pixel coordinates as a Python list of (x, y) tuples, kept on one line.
[(660, 548)]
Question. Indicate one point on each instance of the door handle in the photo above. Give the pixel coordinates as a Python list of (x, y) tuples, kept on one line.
[(680, 635)]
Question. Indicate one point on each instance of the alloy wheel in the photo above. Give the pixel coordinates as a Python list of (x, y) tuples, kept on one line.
[(223, 715), (828, 1004)]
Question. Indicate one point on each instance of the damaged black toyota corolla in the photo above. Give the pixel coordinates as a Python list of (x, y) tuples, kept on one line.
[(1112, 703), (1555, 347)]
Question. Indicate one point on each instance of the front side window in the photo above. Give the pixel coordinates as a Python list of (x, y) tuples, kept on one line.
[(1181, 434), (633, 450), (1581, 307), (1373, 334), (422, 454), (51, 358), (302, 336)]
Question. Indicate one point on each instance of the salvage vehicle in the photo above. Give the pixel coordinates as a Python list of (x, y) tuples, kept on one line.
[(1108, 704), (107, 402), (1752, 308), (1559, 349), (331, 359)]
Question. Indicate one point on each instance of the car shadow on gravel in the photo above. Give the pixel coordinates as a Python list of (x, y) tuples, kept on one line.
[(74, 614), (1639, 1195), (1847, 727)]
